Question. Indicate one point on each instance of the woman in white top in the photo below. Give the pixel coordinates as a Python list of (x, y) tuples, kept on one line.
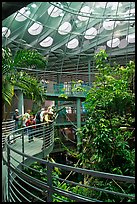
[(45, 115), (25, 117)]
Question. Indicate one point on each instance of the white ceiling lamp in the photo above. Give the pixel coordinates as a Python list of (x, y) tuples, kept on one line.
[(109, 4), (84, 11), (33, 5), (123, 43), (46, 42), (22, 14), (101, 4), (72, 44), (114, 5), (65, 28), (5, 32), (54, 11), (113, 43), (109, 25), (90, 33), (131, 38), (36, 28)]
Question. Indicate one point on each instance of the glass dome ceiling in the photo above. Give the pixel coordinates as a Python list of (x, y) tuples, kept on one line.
[(70, 33)]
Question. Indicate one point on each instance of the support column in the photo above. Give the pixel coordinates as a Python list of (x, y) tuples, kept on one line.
[(20, 102), (78, 122)]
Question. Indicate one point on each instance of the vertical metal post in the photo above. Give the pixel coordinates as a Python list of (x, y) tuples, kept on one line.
[(78, 121), (49, 181), (89, 73), (43, 146), (8, 162), (22, 137), (58, 89)]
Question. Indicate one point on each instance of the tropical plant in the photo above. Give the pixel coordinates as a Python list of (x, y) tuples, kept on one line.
[(109, 133), (12, 76)]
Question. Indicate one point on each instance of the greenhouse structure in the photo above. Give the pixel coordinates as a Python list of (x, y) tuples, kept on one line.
[(77, 58)]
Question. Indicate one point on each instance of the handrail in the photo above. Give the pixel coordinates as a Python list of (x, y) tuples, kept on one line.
[(68, 89), (18, 160), (7, 127)]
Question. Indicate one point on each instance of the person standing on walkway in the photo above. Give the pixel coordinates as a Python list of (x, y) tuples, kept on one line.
[(37, 116), (46, 117), (16, 117), (31, 128), (25, 117)]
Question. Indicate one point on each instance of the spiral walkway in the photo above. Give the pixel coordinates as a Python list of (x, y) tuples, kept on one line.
[(18, 186)]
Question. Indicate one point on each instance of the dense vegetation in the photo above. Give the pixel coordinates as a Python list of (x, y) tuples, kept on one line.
[(107, 137), (108, 134)]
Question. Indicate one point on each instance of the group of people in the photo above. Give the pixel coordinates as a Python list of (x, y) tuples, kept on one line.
[(44, 115)]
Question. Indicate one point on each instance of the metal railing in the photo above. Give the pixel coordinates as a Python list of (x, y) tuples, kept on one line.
[(67, 88), (7, 128), (44, 185)]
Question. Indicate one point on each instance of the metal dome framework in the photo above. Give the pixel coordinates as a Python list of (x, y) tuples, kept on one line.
[(69, 34)]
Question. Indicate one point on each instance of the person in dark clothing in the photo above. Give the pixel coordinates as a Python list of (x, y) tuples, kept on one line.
[(38, 116), (31, 129), (16, 117)]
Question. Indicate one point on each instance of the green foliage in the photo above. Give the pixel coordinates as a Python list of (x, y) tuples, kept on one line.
[(30, 59), (77, 86), (110, 105), (105, 137), (11, 77), (63, 95)]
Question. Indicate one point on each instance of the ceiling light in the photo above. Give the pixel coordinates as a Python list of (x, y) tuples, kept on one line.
[(72, 44), (109, 25), (131, 38), (22, 14), (36, 28), (91, 33), (33, 5), (115, 5), (113, 43), (85, 11), (65, 28), (47, 42), (123, 43), (54, 11), (101, 4), (5, 32)]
